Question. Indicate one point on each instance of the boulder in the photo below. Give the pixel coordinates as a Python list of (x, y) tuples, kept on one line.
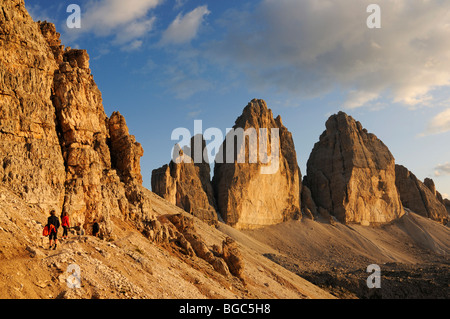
[(186, 227), (351, 174), (233, 258), (257, 183)]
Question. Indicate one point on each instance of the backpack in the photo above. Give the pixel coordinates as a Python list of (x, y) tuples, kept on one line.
[(45, 232), (48, 229)]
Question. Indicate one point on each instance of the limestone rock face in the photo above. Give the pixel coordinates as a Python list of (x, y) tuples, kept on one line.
[(351, 174), (83, 127), (54, 133), (420, 197), (254, 191), (187, 184), (48, 30), (126, 153), (31, 163)]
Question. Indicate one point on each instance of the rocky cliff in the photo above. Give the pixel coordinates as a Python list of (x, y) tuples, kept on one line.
[(351, 174), (421, 198), (247, 196), (58, 148), (31, 161)]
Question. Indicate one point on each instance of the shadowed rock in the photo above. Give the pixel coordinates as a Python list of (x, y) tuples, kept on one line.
[(420, 197)]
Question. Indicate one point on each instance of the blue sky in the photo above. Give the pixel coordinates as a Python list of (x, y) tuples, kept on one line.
[(165, 63)]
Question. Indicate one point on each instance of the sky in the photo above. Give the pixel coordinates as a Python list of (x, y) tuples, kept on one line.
[(165, 63)]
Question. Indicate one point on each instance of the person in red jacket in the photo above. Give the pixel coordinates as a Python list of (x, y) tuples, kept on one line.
[(65, 224)]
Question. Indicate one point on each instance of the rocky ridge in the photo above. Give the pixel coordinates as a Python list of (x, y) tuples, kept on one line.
[(351, 178)]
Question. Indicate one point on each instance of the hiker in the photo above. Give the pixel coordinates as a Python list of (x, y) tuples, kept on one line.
[(53, 225), (95, 228), (65, 224), (79, 230)]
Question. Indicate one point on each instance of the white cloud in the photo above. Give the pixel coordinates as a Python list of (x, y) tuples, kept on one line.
[(185, 28), (125, 20), (439, 124), (183, 83), (179, 4), (357, 98), (134, 45), (442, 169), (313, 47), (105, 15)]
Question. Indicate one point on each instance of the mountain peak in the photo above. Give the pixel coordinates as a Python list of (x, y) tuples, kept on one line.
[(338, 170)]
